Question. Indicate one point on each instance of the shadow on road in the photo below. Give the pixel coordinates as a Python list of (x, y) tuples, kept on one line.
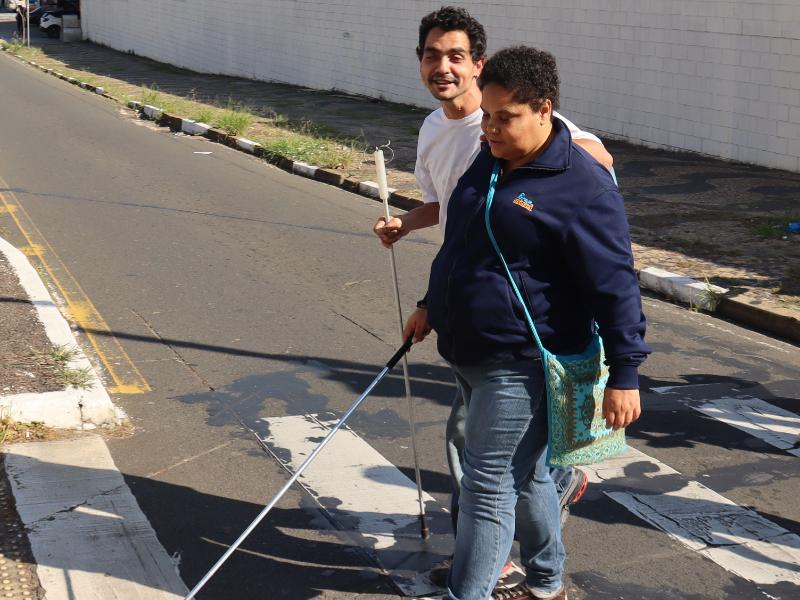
[(274, 562)]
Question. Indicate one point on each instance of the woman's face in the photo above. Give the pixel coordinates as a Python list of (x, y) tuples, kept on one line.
[(515, 132)]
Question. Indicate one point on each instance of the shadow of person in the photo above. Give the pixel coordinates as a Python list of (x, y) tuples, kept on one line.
[(289, 392)]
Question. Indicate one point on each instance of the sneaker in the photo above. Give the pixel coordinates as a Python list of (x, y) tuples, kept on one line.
[(511, 576), (559, 595), (523, 592), (574, 492)]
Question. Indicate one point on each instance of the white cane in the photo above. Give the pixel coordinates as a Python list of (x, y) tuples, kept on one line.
[(389, 366), (383, 190)]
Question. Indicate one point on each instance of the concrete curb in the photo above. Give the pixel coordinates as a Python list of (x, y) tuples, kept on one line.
[(71, 408), (686, 290), (746, 310), (695, 294), (368, 189), (82, 84)]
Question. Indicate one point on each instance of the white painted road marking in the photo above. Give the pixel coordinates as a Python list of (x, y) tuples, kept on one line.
[(367, 496), (779, 428), (89, 537), (738, 539)]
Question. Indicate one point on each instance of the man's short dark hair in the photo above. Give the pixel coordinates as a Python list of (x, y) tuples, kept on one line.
[(529, 74), (451, 18)]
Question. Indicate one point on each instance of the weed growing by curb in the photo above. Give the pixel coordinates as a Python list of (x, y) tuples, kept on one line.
[(234, 121), (708, 298), (150, 95), (60, 357), (203, 114), (61, 354), (79, 378)]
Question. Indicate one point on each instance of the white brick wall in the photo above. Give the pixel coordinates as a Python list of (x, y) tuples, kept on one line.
[(720, 77)]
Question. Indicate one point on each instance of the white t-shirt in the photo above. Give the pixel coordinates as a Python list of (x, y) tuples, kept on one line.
[(447, 147)]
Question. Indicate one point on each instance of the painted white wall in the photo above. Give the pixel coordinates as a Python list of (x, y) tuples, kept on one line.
[(721, 77)]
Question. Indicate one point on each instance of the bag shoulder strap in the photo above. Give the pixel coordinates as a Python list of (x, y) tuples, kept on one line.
[(487, 220)]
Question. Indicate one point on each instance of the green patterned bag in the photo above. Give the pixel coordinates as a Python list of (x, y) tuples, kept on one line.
[(577, 432)]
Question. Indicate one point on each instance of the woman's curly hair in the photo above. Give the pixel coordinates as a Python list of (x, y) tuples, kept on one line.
[(529, 74)]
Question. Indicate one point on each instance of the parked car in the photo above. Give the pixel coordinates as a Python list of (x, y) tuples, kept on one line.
[(51, 20), (50, 23)]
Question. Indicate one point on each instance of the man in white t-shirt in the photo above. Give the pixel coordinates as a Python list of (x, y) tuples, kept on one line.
[(449, 139), (452, 48)]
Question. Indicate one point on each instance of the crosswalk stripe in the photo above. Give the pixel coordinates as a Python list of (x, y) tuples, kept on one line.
[(367, 496), (372, 499), (779, 428), (737, 539)]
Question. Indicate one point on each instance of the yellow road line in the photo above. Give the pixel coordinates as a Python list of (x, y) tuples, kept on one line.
[(116, 362)]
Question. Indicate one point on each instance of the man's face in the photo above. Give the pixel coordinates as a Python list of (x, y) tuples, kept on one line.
[(446, 67)]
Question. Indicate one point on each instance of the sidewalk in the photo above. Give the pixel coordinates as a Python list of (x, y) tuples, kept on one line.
[(69, 525), (715, 221)]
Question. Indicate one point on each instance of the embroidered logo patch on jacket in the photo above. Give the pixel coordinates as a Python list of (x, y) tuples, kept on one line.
[(522, 200)]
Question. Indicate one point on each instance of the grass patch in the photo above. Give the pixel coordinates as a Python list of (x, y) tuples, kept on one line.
[(61, 355), (203, 114), (33, 53), (708, 298), (234, 121), (313, 143), (150, 95), (59, 358), (79, 378), (774, 228), (326, 153)]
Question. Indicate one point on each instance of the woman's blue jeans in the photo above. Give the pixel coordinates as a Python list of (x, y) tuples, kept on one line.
[(506, 434)]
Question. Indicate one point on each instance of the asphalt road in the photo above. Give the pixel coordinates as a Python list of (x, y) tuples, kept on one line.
[(236, 292)]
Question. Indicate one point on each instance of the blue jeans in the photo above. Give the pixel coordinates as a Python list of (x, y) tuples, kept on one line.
[(454, 446), (506, 435)]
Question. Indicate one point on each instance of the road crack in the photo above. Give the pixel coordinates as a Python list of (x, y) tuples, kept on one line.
[(361, 327), (177, 354)]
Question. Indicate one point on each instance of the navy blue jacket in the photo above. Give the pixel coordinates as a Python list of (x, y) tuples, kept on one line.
[(560, 222)]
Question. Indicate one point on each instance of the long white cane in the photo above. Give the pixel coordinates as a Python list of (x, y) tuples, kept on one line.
[(389, 366), (383, 190)]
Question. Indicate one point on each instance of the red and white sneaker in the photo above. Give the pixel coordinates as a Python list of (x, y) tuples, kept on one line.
[(511, 576), (574, 492)]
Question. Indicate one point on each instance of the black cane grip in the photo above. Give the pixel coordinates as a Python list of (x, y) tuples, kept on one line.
[(399, 354)]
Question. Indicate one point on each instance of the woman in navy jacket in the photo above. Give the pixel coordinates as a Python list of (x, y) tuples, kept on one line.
[(560, 222)]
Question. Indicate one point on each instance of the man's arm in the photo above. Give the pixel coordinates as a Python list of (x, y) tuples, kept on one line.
[(598, 152), (423, 216), (589, 142)]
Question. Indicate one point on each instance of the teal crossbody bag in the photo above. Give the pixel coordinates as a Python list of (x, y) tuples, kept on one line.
[(575, 383)]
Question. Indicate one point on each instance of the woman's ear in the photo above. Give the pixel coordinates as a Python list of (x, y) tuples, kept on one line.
[(546, 111)]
